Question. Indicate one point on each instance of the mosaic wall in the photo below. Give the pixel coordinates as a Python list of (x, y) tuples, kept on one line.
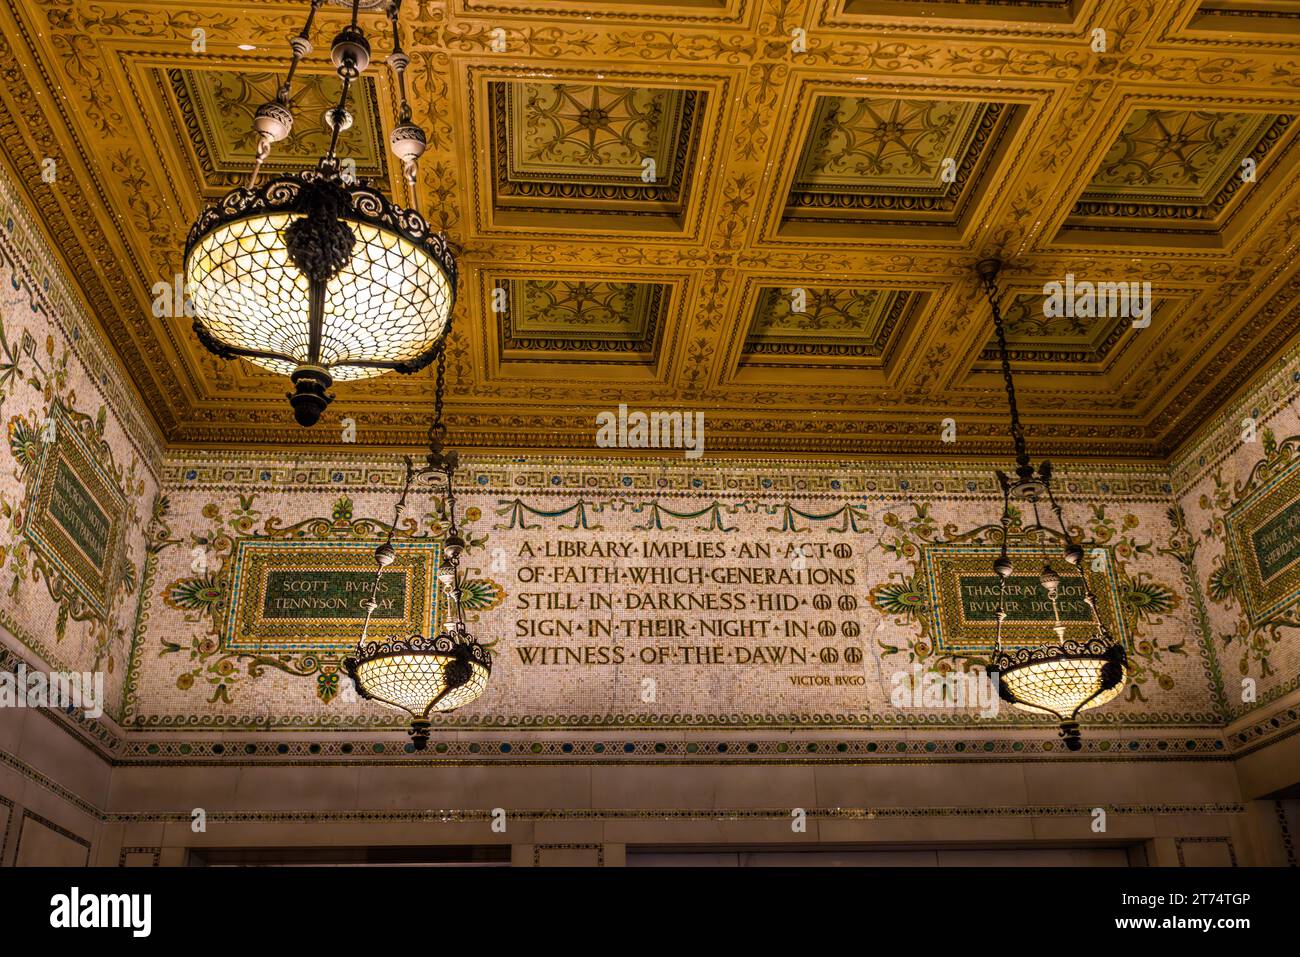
[(78, 470), (220, 591), (648, 594), (1238, 485)]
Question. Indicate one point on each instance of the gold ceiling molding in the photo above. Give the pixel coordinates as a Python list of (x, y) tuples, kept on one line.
[(777, 166)]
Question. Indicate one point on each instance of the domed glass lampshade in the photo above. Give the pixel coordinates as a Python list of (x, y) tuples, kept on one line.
[(1063, 679), (421, 676), (319, 280)]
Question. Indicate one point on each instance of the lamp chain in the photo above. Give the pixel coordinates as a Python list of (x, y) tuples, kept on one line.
[(347, 71), (384, 554), (1017, 431), (272, 121), (437, 431)]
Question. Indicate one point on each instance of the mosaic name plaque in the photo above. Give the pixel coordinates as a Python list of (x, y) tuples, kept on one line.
[(77, 513), (964, 596), (1264, 533), (306, 596)]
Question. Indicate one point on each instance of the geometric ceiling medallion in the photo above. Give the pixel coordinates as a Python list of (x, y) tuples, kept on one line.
[(888, 161), (1181, 171), (826, 327), (592, 149)]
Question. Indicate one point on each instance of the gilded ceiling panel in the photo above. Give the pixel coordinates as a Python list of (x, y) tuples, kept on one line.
[(592, 147), (876, 160), (886, 147), (605, 320), (800, 323), (648, 182), (1188, 170), (1259, 9), (1035, 337), (215, 109)]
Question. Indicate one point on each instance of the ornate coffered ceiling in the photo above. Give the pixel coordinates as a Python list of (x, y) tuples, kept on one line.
[(653, 187)]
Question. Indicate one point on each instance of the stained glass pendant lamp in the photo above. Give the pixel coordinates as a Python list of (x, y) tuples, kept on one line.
[(316, 275), (1060, 677), (444, 671)]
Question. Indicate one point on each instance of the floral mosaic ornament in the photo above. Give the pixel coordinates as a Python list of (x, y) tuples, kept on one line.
[(207, 598)]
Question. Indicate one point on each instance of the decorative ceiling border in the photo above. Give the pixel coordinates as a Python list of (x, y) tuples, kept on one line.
[(726, 476), (726, 12), (1189, 410), (581, 748), (106, 306)]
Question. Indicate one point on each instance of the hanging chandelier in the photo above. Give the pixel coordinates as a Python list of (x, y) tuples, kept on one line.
[(1062, 676), (445, 671), (316, 275)]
